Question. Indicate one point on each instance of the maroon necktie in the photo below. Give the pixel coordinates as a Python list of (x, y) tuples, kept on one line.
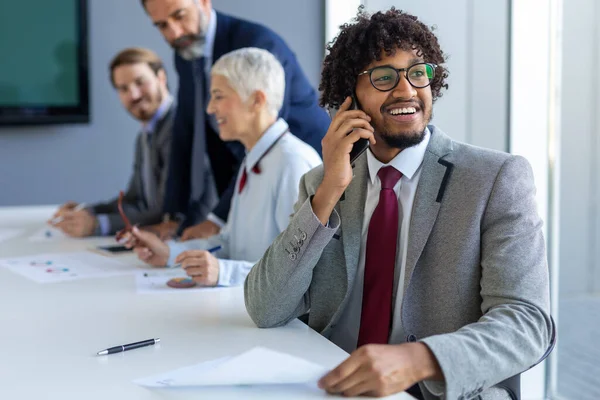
[(256, 168), (380, 261), (243, 179)]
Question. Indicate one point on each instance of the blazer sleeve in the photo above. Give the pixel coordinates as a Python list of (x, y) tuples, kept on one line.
[(132, 204), (277, 288), (515, 329)]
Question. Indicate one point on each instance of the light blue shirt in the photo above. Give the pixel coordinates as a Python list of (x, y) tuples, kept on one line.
[(262, 210), (209, 45), (148, 127), (160, 112)]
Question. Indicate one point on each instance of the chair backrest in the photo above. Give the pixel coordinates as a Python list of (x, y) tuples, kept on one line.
[(513, 384)]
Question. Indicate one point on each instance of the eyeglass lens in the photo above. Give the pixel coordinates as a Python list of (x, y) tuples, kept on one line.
[(386, 78)]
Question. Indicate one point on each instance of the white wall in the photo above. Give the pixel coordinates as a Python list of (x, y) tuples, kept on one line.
[(534, 131), (337, 13), (580, 176)]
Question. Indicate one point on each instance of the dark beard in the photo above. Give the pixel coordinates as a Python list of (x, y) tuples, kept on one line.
[(407, 139), (402, 141), (144, 116)]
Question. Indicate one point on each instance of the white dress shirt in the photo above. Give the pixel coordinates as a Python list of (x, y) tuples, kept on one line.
[(408, 161), (262, 210)]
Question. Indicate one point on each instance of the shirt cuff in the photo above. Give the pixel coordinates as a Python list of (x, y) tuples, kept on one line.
[(334, 220), (233, 272), (437, 388), (175, 249), (104, 224), (212, 217)]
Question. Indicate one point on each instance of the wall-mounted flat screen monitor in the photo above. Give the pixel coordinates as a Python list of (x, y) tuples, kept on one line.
[(43, 62)]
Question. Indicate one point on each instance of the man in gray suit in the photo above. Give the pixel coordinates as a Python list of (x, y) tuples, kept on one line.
[(139, 77), (424, 258)]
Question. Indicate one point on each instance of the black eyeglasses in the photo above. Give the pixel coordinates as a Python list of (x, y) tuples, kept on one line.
[(385, 77)]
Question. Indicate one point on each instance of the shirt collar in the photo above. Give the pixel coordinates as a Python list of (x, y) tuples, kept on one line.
[(160, 112), (407, 161), (265, 142), (211, 33)]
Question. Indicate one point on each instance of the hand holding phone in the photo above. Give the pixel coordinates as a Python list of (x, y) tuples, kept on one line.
[(361, 144), (346, 129), (348, 136)]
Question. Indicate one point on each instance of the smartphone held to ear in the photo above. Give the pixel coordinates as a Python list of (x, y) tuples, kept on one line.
[(361, 144)]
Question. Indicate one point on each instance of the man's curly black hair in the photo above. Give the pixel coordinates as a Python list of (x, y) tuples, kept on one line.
[(363, 41)]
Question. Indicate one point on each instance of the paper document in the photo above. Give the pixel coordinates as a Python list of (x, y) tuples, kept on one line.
[(48, 233), (258, 366), (59, 267), (9, 233), (155, 281)]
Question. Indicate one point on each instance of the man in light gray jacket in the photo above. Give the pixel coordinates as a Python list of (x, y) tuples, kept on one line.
[(423, 257)]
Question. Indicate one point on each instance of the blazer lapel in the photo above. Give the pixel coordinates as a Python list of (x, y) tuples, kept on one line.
[(164, 122), (432, 183), (351, 209), (222, 44)]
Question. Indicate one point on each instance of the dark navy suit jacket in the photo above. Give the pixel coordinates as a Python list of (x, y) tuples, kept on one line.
[(306, 119)]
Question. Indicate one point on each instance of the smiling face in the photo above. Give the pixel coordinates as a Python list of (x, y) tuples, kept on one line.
[(140, 89), (233, 115), (400, 115)]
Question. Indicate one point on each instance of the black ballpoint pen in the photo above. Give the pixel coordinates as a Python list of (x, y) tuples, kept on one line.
[(130, 346)]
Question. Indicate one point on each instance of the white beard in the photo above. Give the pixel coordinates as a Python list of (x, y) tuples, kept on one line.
[(196, 49), (193, 51)]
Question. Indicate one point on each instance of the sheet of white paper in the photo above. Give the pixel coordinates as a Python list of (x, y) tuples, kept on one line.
[(48, 233), (59, 267), (9, 233), (257, 366), (155, 281), (172, 378)]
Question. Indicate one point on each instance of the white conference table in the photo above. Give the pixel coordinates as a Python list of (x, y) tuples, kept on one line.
[(50, 333)]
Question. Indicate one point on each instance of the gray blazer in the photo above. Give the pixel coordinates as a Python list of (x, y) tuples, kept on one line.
[(476, 287), (134, 203)]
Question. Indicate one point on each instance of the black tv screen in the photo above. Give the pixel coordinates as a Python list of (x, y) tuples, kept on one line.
[(43, 62)]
